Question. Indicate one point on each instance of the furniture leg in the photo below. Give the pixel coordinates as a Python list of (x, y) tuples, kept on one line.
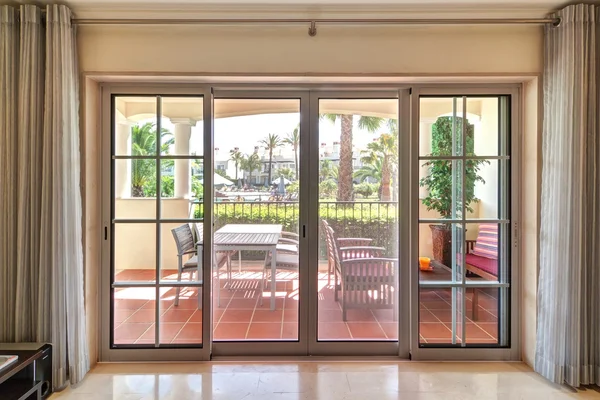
[(216, 267), (178, 280), (475, 305), (328, 271), (199, 279), (239, 261), (273, 273)]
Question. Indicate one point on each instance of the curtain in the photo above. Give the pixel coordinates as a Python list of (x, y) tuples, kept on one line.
[(41, 254), (568, 332)]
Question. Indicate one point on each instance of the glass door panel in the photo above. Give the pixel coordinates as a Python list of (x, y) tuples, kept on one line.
[(464, 221), (156, 282), (256, 276), (358, 266)]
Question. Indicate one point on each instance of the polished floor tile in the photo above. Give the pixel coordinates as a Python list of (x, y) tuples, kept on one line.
[(318, 380)]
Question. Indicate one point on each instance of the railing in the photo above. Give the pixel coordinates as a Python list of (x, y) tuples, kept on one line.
[(377, 220)]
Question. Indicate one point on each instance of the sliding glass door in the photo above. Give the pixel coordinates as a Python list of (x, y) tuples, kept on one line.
[(308, 222)]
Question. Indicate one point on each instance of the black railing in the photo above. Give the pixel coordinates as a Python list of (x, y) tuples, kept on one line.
[(377, 220)]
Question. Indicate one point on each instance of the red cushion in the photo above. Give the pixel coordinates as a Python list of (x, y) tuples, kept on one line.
[(488, 265)]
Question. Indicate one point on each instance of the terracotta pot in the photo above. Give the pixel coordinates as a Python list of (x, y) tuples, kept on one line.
[(441, 236)]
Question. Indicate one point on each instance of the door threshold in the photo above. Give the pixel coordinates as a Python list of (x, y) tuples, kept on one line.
[(362, 359)]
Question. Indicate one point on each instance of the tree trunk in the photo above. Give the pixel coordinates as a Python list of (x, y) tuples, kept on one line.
[(345, 192), (137, 191), (386, 194), (296, 159), (270, 165)]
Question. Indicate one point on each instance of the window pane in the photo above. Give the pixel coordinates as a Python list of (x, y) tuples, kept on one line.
[(134, 257), (134, 316), (182, 126)]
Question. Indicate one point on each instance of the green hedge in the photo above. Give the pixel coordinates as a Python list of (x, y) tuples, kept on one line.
[(377, 221)]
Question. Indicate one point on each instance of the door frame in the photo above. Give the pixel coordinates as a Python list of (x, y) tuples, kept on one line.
[(408, 104)]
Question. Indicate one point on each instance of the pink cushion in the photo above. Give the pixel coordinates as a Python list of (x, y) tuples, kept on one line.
[(488, 265), (487, 241)]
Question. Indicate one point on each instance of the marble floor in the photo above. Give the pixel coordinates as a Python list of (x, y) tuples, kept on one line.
[(313, 380)]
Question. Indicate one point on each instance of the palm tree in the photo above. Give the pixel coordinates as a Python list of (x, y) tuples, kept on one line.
[(143, 143), (327, 171), (283, 173), (370, 124), (250, 164), (236, 156), (384, 153), (271, 143), (293, 139)]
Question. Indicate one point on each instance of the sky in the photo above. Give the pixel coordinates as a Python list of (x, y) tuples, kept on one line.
[(246, 132)]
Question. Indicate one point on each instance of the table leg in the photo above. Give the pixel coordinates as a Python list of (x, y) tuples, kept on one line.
[(273, 272), (239, 261), (199, 261)]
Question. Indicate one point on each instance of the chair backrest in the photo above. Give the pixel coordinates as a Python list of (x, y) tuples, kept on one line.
[(199, 231), (184, 239), (332, 249)]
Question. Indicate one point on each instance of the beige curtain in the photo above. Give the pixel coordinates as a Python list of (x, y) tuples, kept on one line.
[(568, 335), (41, 259)]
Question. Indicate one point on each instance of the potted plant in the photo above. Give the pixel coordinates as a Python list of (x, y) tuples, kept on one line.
[(439, 181)]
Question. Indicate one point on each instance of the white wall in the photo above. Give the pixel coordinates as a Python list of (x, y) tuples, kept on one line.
[(289, 50), (486, 144)]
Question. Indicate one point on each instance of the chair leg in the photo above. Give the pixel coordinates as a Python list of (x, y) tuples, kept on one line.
[(475, 304), (179, 270), (328, 271), (335, 284)]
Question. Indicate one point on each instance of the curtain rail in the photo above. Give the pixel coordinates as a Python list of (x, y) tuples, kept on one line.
[(312, 30)]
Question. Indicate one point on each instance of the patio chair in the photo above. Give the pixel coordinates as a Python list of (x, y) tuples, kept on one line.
[(288, 242), (341, 242), (369, 283), (186, 246), (338, 254)]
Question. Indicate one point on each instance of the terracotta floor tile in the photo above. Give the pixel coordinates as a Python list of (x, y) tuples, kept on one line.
[(190, 331), (196, 316), (129, 332), (264, 331), (142, 315), (187, 304), (231, 331), (436, 305), (383, 315), (490, 327), (439, 341), (366, 330), (475, 332), (427, 316), (290, 315), (168, 331), (291, 303), (354, 315), (130, 304), (428, 296), (176, 315), (330, 315), (187, 341), (266, 303), (146, 342), (390, 329), (289, 331), (484, 315), (267, 316), (333, 331), (328, 305), (121, 315), (442, 315), (242, 304), (434, 330), (237, 316)]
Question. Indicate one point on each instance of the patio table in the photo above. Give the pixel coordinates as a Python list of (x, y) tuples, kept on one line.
[(261, 237)]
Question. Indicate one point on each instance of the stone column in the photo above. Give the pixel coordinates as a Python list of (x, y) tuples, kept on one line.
[(425, 126), (183, 173), (123, 167)]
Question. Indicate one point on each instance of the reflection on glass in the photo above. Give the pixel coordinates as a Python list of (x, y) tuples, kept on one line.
[(358, 209), (256, 163), (134, 316)]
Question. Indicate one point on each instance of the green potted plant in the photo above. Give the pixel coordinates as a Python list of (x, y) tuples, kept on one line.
[(439, 182)]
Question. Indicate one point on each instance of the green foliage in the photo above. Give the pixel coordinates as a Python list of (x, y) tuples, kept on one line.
[(286, 173), (293, 187), (366, 189), (327, 188), (250, 163), (223, 173), (237, 157), (167, 187), (378, 221), (197, 188), (293, 139), (143, 143), (439, 179), (328, 170)]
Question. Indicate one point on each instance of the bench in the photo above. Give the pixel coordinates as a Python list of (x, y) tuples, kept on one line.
[(482, 258)]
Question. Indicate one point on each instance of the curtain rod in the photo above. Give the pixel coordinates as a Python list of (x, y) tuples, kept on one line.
[(312, 30)]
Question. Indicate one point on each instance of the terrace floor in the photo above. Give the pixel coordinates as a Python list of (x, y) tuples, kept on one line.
[(241, 316)]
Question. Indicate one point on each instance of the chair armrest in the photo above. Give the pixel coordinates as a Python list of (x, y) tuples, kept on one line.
[(288, 241), (292, 235)]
